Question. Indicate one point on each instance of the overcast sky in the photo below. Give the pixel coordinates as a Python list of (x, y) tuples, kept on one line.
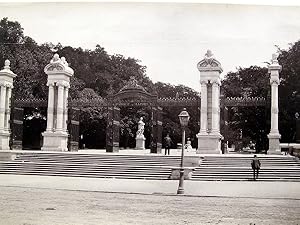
[(169, 38)]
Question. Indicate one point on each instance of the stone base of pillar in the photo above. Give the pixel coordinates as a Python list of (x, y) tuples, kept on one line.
[(4, 140), (55, 141), (140, 142), (209, 143), (114, 148), (274, 144)]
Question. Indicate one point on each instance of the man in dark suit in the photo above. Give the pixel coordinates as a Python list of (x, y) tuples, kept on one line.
[(255, 164), (168, 144)]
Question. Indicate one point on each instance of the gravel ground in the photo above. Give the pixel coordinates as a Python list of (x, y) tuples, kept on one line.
[(36, 206)]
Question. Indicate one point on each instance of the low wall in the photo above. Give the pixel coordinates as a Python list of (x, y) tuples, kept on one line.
[(188, 172), (291, 148), (7, 156)]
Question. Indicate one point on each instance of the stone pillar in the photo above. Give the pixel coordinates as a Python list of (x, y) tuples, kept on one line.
[(65, 117), (215, 108), (56, 134), (6, 83), (7, 108), (203, 110), (209, 137), (60, 107), (2, 105), (274, 136), (50, 107)]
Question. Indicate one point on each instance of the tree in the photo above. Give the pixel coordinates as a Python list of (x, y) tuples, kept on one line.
[(96, 74), (247, 123), (11, 33), (289, 89)]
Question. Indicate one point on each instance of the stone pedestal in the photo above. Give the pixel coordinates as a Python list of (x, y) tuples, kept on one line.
[(274, 144), (6, 86), (56, 134), (188, 173), (4, 140), (55, 141), (209, 143), (140, 142)]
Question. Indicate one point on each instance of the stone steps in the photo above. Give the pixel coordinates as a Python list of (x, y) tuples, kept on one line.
[(279, 168), (92, 165)]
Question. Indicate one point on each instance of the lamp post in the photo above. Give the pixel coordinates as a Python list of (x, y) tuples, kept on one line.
[(184, 120)]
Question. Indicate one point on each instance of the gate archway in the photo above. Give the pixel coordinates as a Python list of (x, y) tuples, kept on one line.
[(132, 95)]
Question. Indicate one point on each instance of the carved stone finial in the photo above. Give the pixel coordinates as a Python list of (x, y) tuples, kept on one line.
[(209, 57), (274, 58), (55, 58), (208, 54), (64, 61), (7, 64)]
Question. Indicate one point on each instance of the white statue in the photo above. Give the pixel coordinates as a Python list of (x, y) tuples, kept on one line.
[(55, 59), (141, 125), (188, 145), (64, 61), (274, 58), (209, 57)]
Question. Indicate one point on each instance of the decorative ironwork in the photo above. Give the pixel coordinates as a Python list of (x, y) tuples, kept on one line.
[(182, 101), (132, 84), (245, 101), (113, 129), (30, 102), (17, 128), (73, 128)]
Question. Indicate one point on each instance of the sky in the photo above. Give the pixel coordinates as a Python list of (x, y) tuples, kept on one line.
[(168, 38)]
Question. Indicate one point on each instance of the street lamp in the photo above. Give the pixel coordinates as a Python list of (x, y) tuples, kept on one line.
[(184, 120)]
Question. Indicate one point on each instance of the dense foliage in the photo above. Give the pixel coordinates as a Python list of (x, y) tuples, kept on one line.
[(253, 123), (96, 74)]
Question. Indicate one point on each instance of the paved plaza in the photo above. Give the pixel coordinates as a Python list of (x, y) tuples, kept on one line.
[(42, 200)]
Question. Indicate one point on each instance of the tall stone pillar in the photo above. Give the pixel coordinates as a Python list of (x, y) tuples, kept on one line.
[(274, 136), (50, 107), (215, 128), (203, 109), (7, 109), (209, 137), (6, 85), (60, 106), (56, 134), (65, 114)]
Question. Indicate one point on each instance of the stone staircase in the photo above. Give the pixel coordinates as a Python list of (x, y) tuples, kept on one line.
[(158, 167), (235, 168), (91, 165)]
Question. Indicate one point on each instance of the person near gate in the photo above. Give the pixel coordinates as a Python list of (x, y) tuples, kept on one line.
[(168, 144), (255, 164)]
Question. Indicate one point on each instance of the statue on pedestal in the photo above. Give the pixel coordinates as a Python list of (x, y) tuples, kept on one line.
[(141, 125), (140, 139)]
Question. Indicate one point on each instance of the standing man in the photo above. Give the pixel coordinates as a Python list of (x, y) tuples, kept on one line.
[(168, 144), (255, 164)]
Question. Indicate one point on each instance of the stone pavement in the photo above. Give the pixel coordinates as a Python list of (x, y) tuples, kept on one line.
[(250, 189)]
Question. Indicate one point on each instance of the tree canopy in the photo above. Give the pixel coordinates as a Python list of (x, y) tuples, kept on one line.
[(96, 74)]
